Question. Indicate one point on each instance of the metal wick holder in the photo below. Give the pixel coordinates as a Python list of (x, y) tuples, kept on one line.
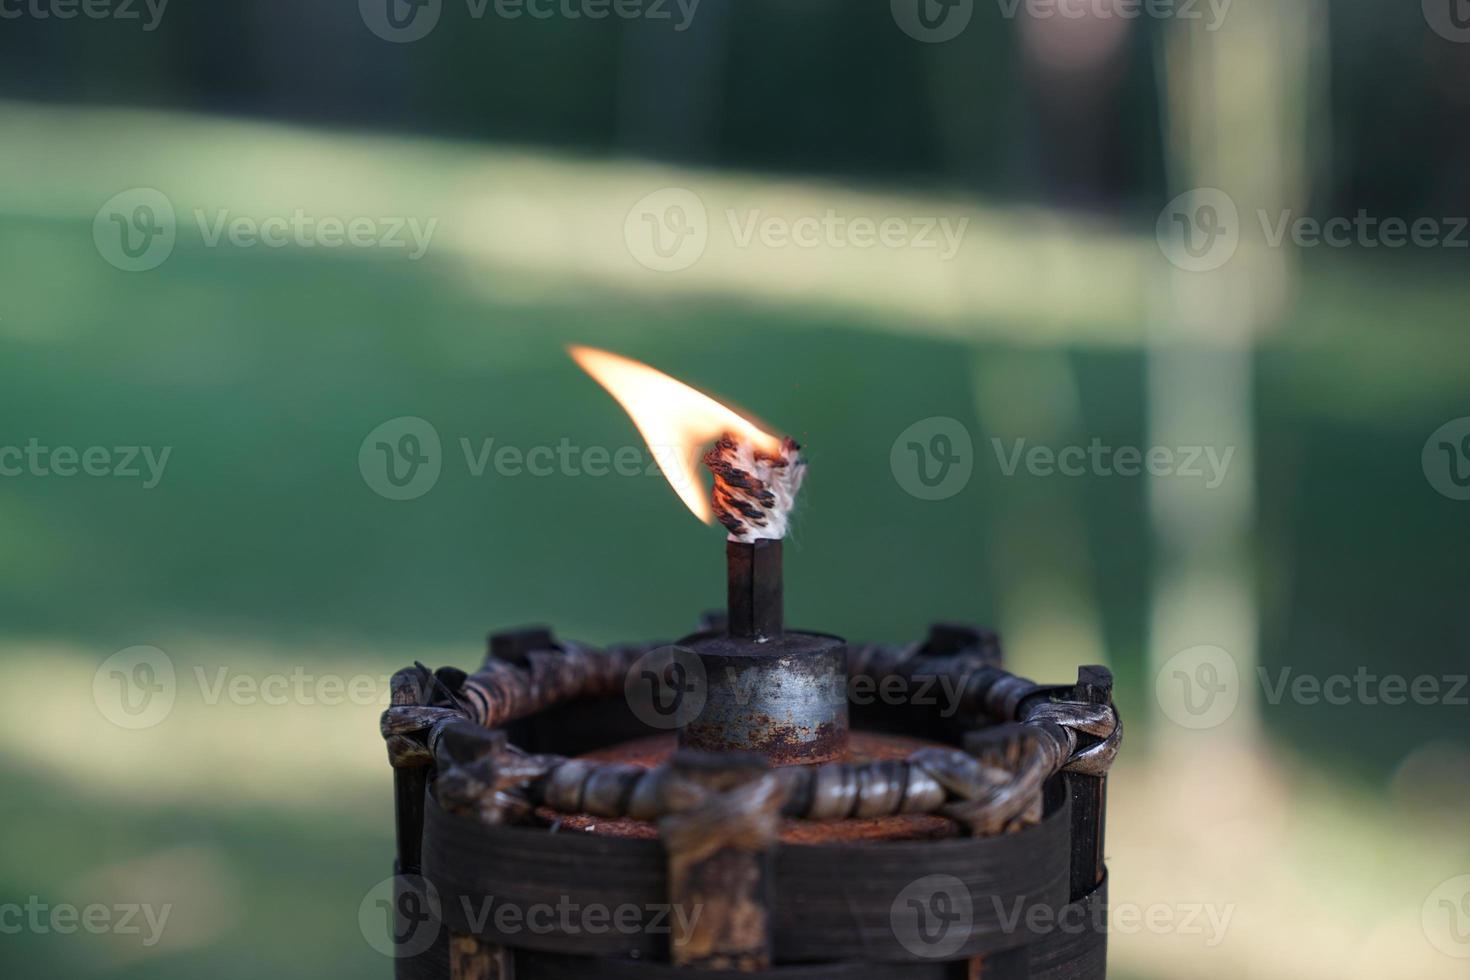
[(777, 693)]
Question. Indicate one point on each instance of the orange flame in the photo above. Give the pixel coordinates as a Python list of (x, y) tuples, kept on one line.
[(675, 420)]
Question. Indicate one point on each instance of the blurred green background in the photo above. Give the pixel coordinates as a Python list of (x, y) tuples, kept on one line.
[(264, 550)]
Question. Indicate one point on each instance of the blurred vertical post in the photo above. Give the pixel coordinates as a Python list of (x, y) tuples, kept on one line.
[(1238, 108), (1042, 570), (671, 80), (1050, 613)]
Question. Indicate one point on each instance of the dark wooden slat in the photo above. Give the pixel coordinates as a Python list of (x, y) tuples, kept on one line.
[(832, 902)]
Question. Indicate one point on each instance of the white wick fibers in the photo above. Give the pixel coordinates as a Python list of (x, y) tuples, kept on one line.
[(754, 491)]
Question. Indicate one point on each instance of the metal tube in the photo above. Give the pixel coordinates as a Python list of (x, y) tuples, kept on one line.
[(754, 597)]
